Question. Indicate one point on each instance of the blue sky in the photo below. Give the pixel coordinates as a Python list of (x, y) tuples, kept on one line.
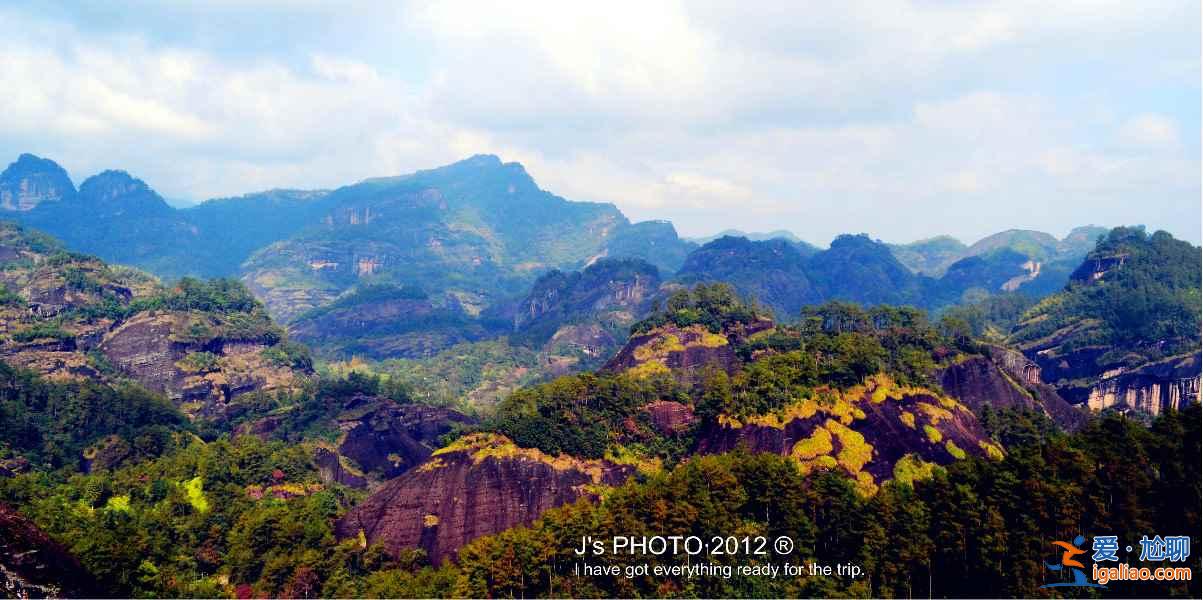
[(900, 119)]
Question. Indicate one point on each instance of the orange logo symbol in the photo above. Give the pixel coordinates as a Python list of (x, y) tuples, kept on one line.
[(1067, 557)]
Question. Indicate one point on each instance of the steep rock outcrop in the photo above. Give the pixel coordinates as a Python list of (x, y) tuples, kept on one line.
[(387, 439), (1151, 389), (34, 566), (332, 468), (480, 485), (1124, 334), (1006, 379), (685, 349), (31, 181), (70, 317), (605, 285), (152, 348), (865, 431), (670, 417)]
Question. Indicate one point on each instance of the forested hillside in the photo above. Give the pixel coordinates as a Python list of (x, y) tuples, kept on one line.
[(172, 439)]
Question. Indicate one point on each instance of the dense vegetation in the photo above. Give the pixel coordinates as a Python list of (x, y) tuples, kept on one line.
[(833, 346), (993, 316), (852, 342), (308, 413), (192, 510), (220, 307), (587, 415), (470, 376), (1137, 289), (250, 518), (50, 424), (368, 294), (714, 306), (980, 528), (251, 510), (858, 269)]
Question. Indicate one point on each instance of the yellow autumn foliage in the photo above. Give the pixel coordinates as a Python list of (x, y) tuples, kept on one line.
[(659, 347), (933, 435), (911, 468), (817, 444), (648, 369), (855, 452), (993, 450), (481, 446)]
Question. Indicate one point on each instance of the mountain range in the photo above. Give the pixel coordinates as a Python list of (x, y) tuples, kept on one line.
[(473, 237), (567, 371)]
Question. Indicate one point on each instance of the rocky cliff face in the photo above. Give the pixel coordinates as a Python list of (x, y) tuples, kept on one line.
[(586, 313), (31, 181), (34, 566), (1124, 334), (1098, 377), (670, 417), (867, 431), (1007, 379), (74, 317), (602, 286), (377, 438), (1151, 389), (201, 376), (387, 439), (478, 486), (684, 349)]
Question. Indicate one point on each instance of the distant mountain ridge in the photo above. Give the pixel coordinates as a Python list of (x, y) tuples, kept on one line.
[(859, 269), (933, 256), (481, 214), (121, 219), (474, 236)]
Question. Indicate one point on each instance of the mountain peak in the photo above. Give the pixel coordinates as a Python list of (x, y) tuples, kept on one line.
[(32, 180), (471, 166), (32, 161), (121, 190), (855, 240), (111, 184), (483, 160)]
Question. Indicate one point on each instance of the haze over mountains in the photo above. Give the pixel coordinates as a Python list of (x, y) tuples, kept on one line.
[(483, 220)]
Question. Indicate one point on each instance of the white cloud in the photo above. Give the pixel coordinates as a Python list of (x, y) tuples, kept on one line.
[(622, 47), (904, 119), (348, 71)]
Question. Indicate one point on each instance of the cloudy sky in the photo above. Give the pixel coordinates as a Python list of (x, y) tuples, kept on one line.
[(900, 119)]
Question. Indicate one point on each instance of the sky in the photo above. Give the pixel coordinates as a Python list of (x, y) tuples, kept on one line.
[(903, 120)]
